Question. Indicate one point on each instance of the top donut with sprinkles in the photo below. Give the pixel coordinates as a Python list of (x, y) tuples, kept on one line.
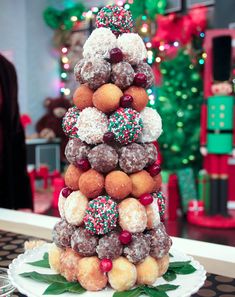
[(116, 18)]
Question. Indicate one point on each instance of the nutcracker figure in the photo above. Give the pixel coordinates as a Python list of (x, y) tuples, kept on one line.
[(217, 125)]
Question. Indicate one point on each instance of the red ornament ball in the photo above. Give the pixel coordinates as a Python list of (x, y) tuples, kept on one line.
[(140, 80), (146, 199), (125, 237), (66, 192), (126, 101), (83, 164), (106, 265), (116, 55), (154, 169)]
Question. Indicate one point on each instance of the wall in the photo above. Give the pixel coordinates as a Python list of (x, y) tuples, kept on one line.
[(24, 34), (224, 14)]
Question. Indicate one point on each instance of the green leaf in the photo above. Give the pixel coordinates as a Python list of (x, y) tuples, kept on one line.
[(178, 264), (42, 263), (171, 255), (153, 292), (48, 278), (130, 293), (187, 269), (46, 256), (169, 275), (25, 274), (166, 287), (56, 289), (60, 288), (76, 288)]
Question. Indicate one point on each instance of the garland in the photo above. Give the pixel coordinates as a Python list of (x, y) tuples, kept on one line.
[(148, 7), (64, 19)]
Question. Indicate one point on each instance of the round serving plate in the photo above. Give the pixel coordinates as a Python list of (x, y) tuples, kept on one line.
[(188, 284)]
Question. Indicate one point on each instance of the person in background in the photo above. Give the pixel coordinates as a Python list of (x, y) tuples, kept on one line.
[(15, 191)]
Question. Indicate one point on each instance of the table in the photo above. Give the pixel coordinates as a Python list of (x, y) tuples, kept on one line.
[(11, 245), (218, 260)]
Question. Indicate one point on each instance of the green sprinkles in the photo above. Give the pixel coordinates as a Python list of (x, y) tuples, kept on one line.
[(161, 200), (101, 215), (118, 19), (69, 122), (126, 124)]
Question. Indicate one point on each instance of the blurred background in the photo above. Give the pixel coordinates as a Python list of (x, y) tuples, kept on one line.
[(44, 40)]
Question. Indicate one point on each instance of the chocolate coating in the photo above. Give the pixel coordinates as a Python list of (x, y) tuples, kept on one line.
[(76, 150), (109, 246), (147, 70), (138, 249), (61, 234), (95, 72), (160, 241), (122, 75), (84, 243), (133, 158), (77, 70), (151, 153), (103, 158)]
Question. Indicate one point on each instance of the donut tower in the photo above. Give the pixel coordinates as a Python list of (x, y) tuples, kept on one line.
[(110, 232)]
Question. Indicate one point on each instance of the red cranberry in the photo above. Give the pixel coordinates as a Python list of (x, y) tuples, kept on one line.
[(83, 164), (116, 55), (146, 199), (109, 137), (106, 265), (154, 169), (66, 192), (126, 101), (140, 80), (125, 237)]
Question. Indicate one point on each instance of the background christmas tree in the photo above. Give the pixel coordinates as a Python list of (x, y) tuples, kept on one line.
[(179, 100)]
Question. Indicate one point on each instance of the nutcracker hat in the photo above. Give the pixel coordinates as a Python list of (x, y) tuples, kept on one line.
[(221, 55)]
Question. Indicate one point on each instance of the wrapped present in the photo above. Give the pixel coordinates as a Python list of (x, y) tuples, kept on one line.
[(173, 197), (187, 186), (43, 172), (58, 184), (196, 208), (204, 188)]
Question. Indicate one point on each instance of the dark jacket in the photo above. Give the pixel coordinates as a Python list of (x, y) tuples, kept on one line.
[(15, 191)]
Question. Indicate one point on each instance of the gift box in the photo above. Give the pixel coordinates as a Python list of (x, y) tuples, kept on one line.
[(196, 208), (187, 186), (58, 185), (164, 190), (173, 202)]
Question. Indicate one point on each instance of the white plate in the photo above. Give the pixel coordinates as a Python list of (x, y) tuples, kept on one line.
[(188, 284)]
